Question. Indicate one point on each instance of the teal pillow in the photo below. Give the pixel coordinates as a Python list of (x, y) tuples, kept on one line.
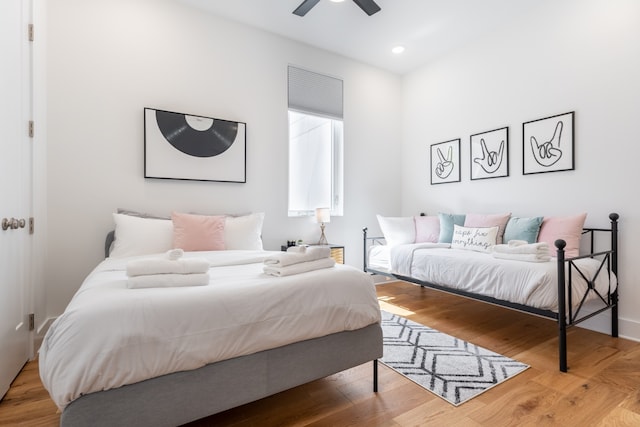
[(522, 229), (447, 221)]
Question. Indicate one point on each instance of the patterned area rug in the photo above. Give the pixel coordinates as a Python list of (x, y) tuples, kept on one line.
[(451, 368)]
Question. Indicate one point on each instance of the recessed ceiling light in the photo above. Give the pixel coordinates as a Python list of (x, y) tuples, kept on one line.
[(398, 49)]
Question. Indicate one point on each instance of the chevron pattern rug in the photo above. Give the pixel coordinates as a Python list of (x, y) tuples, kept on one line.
[(449, 367)]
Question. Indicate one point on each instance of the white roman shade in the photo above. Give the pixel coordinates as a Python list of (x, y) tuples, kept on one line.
[(315, 93)]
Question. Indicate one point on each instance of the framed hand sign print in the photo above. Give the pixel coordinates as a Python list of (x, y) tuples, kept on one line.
[(490, 154), (445, 162), (547, 144)]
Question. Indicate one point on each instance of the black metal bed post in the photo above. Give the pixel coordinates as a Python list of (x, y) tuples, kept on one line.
[(364, 268), (375, 375), (562, 308), (364, 249), (614, 267)]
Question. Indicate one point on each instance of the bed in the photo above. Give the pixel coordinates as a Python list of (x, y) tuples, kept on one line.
[(170, 355), (566, 289)]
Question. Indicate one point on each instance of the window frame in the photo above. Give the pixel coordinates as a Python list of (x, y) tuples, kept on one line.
[(319, 95)]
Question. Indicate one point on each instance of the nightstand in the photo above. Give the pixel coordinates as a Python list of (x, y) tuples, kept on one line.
[(337, 252)]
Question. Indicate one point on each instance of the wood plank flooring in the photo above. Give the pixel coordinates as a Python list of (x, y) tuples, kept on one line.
[(602, 387)]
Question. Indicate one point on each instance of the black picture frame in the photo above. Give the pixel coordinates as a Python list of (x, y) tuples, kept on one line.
[(445, 162), (489, 154), (195, 148), (548, 144)]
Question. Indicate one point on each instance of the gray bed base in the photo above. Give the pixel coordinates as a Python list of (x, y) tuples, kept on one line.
[(186, 396), (182, 397)]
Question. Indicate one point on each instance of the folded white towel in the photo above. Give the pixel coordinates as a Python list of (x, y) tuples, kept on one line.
[(297, 249), (512, 243), (175, 254), (145, 266), (167, 280), (522, 257), (311, 253), (541, 248), (301, 267)]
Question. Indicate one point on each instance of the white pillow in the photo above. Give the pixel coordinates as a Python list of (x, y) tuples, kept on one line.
[(479, 239), (397, 230), (244, 232), (141, 236)]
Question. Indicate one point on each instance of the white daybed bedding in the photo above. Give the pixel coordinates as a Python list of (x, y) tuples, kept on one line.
[(533, 284), (110, 335), (379, 258)]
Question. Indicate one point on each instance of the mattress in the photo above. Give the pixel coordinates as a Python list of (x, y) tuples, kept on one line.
[(532, 284), (111, 336)]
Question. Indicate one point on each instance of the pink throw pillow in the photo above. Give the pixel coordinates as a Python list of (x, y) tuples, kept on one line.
[(198, 232), (500, 220), (427, 229), (567, 228)]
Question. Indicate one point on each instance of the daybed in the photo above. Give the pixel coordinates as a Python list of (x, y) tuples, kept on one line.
[(165, 356), (564, 285)]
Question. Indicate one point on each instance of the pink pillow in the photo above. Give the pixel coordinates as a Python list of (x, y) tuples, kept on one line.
[(476, 220), (427, 229), (567, 228), (198, 232)]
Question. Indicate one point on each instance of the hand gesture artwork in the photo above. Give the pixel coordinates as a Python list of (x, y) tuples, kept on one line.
[(444, 166), (548, 153), (490, 161)]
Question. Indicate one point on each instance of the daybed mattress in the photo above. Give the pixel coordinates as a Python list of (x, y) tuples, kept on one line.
[(533, 284), (110, 335)]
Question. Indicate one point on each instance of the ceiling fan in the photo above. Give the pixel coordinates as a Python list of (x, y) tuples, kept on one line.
[(369, 6)]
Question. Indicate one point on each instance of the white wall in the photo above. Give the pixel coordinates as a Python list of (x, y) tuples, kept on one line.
[(569, 55), (108, 59)]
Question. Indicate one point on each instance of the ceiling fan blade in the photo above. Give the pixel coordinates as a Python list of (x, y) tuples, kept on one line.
[(305, 7), (369, 6)]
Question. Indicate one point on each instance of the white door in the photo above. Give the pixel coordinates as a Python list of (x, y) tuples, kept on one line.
[(15, 187)]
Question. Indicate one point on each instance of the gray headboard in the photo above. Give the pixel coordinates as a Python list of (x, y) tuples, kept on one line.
[(111, 236)]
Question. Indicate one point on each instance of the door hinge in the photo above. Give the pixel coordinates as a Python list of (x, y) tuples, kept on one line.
[(32, 225), (32, 321), (30, 128), (30, 32)]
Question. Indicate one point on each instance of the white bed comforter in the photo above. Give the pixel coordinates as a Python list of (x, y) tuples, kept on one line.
[(110, 336), (533, 284)]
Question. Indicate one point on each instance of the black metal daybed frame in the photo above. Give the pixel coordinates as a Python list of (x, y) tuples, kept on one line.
[(566, 316)]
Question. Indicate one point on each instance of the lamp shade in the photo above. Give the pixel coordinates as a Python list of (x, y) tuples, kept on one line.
[(323, 215)]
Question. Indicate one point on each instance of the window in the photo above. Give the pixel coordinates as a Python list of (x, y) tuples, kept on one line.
[(315, 143), (315, 164)]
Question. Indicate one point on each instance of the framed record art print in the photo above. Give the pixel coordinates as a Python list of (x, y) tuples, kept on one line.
[(189, 147)]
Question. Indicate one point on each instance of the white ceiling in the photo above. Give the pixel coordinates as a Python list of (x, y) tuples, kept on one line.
[(426, 28)]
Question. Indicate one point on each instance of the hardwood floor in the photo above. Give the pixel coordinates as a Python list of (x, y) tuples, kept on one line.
[(602, 387), (27, 403)]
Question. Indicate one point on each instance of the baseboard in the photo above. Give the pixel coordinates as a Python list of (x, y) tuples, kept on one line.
[(41, 331), (379, 279), (628, 329)]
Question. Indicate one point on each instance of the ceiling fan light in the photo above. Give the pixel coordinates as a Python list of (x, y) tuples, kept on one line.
[(337, 1)]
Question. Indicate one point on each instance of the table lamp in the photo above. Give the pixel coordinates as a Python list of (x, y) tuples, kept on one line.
[(323, 215)]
